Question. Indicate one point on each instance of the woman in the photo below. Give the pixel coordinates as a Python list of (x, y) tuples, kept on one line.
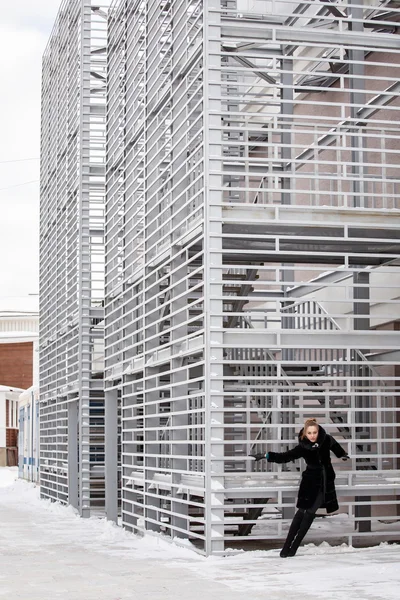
[(317, 487)]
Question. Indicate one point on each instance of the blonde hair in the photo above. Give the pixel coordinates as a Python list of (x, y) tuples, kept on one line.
[(309, 423)]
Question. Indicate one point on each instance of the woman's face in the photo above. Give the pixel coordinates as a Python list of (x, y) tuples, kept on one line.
[(312, 433)]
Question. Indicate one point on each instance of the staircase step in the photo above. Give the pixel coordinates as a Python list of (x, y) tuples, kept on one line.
[(252, 515)]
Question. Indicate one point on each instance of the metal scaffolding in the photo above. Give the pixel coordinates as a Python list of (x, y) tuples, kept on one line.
[(252, 261), (72, 257)]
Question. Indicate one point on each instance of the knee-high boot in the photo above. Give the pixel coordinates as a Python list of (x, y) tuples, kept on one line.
[(293, 530), (305, 525)]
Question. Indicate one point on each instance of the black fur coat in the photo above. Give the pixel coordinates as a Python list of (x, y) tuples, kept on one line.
[(319, 474)]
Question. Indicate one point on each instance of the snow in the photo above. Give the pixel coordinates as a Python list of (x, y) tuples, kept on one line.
[(47, 551), (7, 476)]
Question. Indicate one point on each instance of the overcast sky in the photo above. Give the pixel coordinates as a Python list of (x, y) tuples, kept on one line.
[(25, 27)]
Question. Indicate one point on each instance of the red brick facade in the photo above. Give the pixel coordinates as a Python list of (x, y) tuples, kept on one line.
[(11, 438), (16, 364)]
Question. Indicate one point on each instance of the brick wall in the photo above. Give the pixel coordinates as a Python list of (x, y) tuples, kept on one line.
[(16, 364), (11, 438)]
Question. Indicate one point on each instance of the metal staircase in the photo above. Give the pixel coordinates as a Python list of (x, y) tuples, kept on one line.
[(341, 367), (317, 376), (313, 381)]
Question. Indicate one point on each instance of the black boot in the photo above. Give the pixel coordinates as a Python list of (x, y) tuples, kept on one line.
[(293, 530), (305, 525)]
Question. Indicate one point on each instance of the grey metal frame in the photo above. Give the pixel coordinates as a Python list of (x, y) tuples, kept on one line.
[(72, 257), (252, 260)]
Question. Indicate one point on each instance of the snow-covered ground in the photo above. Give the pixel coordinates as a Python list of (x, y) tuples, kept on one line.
[(47, 552)]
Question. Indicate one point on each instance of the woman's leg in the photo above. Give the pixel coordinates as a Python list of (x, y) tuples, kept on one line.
[(308, 518), (293, 530)]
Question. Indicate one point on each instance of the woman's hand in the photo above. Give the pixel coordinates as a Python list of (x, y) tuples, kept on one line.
[(259, 456)]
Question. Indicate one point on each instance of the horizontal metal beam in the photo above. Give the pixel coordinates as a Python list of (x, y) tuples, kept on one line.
[(242, 29), (295, 338)]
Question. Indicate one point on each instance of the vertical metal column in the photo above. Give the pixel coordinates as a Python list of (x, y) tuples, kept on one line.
[(215, 453), (287, 273), (151, 394), (286, 118), (361, 281), (150, 411), (111, 454), (73, 486), (84, 353), (179, 395), (357, 100), (178, 281)]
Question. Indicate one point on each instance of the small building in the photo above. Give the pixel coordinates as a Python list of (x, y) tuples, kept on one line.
[(9, 426), (28, 445), (19, 325)]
